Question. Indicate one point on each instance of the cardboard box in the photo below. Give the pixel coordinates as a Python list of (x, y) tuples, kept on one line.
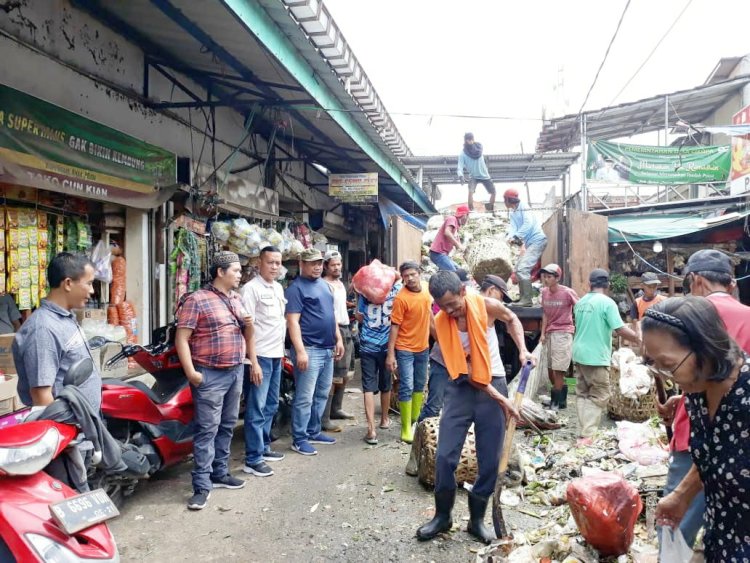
[(7, 365), (17, 404), (8, 386), (93, 314), (6, 406)]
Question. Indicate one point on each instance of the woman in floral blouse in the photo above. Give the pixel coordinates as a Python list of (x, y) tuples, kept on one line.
[(685, 340)]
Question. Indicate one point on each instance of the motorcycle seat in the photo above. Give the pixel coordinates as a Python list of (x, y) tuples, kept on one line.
[(137, 385)]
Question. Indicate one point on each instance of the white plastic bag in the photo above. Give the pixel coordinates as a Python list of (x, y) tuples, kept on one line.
[(101, 256), (674, 548)]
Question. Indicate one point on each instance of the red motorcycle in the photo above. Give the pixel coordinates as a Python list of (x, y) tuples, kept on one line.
[(154, 421), (41, 517)]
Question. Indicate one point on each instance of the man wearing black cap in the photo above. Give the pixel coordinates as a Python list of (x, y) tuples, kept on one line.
[(214, 336), (472, 160), (596, 316)]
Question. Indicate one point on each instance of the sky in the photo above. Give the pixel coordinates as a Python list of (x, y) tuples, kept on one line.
[(521, 60)]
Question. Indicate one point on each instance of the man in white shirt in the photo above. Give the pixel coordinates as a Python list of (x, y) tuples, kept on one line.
[(333, 267), (263, 298)]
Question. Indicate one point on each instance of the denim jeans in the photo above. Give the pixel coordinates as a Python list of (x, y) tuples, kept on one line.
[(217, 404), (261, 404), (679, 466), (443, 261), (529, 259), (412, 372), (465, 404), (436, 384), (311, 392)]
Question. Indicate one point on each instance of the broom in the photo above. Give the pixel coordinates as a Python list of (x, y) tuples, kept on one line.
[(498, 522)]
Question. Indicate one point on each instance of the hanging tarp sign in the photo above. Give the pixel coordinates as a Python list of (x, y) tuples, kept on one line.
[(354, 188), (42, 145), (619, 163), (740, 175)]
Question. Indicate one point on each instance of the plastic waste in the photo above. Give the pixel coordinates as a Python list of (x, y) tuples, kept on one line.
[(674, 548)]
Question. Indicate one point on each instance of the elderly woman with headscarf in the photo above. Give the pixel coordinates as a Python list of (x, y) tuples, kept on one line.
[(685, 340)]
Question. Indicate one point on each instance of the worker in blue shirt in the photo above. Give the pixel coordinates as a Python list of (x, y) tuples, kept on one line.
[(525, 231), (472, 160)]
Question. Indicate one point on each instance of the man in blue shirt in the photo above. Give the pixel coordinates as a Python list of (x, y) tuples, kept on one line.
[(375, 328), (472, 160), (316, 342), (525, 231)]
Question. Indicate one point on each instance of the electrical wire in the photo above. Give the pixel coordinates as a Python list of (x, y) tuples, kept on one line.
[(651, 54)]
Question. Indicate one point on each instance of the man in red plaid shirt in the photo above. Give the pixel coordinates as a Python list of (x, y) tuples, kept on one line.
[(214, 336)]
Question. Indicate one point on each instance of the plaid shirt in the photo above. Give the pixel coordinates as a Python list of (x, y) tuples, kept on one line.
[(218, 340)]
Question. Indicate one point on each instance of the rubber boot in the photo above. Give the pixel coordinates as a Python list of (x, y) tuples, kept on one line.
[(563, 398), (589, 416), (442, 521), (325, 422), (412, 466), (476, 527), (417, 399), (407, 435), (525, 289), (555, 402), (338, 400)]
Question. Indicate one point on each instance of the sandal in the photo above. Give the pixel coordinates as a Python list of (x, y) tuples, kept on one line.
[(372, 440), (385, 426)]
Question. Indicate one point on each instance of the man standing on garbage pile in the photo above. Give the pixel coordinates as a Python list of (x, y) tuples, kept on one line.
[(408, 345), (375, 328), (710, 274), (263, 298), (495, 288), (526, 232), (214, 336), (476, 393), (447, 239), (651, 296), (557, 331), (596, 316), (317, 343), (332, 269), (472, 160)]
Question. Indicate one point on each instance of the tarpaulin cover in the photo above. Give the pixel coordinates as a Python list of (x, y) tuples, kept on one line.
[(659, 227), (388, 208)]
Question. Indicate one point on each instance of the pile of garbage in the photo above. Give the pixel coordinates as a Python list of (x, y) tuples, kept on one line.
[(248, 239), (561, 486)]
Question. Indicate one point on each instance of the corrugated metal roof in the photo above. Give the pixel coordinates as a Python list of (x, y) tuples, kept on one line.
[(502, 167), (633, 118)]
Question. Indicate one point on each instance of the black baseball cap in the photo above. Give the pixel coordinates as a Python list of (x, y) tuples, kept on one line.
[(499, 283), (709, 260), (598, 275)]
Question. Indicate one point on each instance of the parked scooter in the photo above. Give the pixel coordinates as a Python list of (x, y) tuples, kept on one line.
[(286, 395), (41, 517), (156, 421)]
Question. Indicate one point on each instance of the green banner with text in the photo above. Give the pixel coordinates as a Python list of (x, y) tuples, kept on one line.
[(76, 154), (619, 163)]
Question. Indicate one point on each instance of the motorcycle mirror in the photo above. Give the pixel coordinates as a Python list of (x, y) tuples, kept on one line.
[(97, 342), (79, 372)]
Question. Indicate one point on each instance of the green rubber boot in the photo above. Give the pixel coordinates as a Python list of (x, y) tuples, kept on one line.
[(417, 398), (407, 435)]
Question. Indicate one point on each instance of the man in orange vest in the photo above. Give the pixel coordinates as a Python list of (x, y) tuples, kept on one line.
[(650, 285)]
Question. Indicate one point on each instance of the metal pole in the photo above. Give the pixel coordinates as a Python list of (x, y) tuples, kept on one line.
[(666, 133), (584, 187)]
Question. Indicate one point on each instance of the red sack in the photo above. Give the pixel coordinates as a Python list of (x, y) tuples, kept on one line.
[(374, 281), (605, 507)]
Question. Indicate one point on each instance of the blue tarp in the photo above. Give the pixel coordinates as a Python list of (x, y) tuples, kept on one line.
[(388, 209)]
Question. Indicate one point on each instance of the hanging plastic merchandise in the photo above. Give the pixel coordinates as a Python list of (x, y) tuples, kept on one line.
[(117, 287), (185, 264)]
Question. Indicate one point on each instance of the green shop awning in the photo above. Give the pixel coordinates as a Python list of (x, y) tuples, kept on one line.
[(657, 227)]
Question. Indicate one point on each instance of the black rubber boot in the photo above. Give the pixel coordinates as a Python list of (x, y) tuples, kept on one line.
[(477, 508), (563, 398), (442, 521), (554, 403)]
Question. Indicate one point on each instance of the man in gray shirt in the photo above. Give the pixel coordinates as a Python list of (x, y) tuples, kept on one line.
[(10, 318), (51, 340)]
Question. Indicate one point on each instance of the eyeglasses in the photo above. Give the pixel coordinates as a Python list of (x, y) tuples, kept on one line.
[(667, 373)]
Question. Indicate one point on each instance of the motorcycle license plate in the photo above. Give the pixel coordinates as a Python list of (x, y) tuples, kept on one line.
[(83, 511)]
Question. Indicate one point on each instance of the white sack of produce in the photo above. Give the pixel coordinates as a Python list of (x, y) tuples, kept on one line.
[(641, 443), (435, 222), (489, 255), (428, 237), (635, 379)]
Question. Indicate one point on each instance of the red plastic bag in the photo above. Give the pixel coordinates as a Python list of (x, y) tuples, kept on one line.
[(374, 281), (605, 507)]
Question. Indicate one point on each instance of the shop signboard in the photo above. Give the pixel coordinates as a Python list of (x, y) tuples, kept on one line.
[(354, 188), (619, 163), (740, 173), (44, 146)]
